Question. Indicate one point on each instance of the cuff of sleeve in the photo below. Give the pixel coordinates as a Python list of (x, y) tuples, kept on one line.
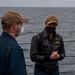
[(60, 57)]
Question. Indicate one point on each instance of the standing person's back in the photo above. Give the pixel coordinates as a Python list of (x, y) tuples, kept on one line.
[(11, 54), (9, 51)]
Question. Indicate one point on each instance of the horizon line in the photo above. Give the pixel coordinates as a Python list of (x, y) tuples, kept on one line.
[(40, 6)]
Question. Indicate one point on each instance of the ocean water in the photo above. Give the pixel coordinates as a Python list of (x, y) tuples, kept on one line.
[(66, 27)]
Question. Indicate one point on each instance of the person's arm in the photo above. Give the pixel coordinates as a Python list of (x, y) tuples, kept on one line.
[(58, 55), (62, 50), (34, 51), (17, 62)]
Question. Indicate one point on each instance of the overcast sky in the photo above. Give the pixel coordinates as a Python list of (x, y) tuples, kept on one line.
[(37, 3)]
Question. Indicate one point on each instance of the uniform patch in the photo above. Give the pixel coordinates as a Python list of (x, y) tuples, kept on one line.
[(57, 43)]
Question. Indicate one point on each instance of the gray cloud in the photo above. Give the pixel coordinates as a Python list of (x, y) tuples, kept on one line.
[(37, 3)]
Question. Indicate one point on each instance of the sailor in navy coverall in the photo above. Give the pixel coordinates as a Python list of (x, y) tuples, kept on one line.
[(11, 54)]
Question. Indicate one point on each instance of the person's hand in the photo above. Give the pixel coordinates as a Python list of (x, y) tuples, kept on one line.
[(57, 56), (54, 55)]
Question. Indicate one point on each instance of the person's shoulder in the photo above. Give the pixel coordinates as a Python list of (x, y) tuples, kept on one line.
[(38, 35), (12, 44), (13, 47), (8, 44), (59, 35)]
